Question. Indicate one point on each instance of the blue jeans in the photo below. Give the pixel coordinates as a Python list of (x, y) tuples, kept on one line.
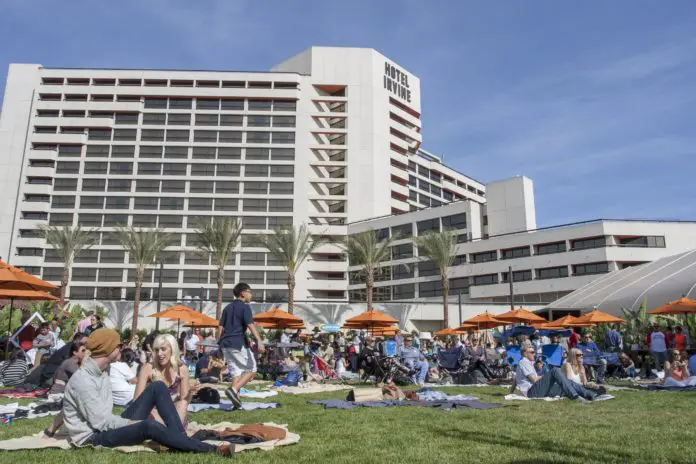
[(172, 435), (421, 368), (555, 383), (660, 357)]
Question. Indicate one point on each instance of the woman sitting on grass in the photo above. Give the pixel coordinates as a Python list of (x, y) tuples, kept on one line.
[(574, 370), (167, 367), (677, 372)]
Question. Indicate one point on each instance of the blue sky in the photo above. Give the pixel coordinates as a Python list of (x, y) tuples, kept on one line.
[(595, 100)]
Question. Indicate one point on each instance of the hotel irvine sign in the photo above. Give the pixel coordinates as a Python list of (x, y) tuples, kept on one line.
[(396, 82)]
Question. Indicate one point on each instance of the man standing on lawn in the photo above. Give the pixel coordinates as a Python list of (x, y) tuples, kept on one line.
[(88, 403), (236, 319)]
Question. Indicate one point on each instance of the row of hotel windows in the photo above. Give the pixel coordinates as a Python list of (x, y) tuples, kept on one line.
[(201, 83), (436, 177), (209, 104), (174, 135), (453, 222), (176, 119), (167, 169), (68, 184), (560, 247), (174, 152), (462, 284), (167, 203), (78, 292)]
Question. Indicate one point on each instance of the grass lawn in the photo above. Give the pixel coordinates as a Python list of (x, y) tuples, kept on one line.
[(635, 427)]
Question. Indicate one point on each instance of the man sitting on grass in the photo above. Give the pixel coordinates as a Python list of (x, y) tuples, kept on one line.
[(88, 402), (553, 383)]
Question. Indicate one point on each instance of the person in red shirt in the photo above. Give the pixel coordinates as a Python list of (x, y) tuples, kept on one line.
[(679, 339), (669, 337), (573, 339)]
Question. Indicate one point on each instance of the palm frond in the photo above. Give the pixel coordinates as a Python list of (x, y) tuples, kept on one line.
[(67, 241), (290, 246), (143, 245), (438, 247), (219, 238), (366, 250)]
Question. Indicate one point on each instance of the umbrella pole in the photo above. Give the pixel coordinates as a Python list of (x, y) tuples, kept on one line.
[(9, 333)]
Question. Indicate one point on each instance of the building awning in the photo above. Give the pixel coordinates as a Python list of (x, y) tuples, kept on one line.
[(658, 282)]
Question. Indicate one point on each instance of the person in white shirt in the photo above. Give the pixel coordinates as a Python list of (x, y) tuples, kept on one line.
[(122, 378), (285, 337), (658, 346), (191, 344), (553, 383)]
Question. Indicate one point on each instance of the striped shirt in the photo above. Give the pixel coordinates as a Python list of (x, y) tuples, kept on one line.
[(13, 373)]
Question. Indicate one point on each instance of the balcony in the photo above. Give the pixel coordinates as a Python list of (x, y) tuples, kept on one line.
[(316, 229), (38, 206), (40, 171), (327, 284), (320, 265), (38, 189), (68, 139)]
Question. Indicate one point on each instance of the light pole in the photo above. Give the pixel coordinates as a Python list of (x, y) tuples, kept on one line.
[(159, 294), (512, 290), (200, 301)]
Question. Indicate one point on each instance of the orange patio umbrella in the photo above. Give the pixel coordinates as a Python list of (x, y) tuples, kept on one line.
[(482, 322), (565, 322), (370, 319), (681, 306), (178, 313), (521, 315), (15, 284), (278, 319), (203, 321), (596, 317), (452, 332)]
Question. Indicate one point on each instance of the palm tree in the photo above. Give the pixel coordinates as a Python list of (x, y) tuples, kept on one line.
[(68, 242), (366, 250), (291, 246), (218, 239), (441, 249), (143, 246)]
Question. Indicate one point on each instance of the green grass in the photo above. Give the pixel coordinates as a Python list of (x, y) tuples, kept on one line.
[(651, 427)]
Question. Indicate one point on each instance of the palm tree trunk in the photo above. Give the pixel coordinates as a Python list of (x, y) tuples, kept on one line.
[(369, 284), (136, 299), (445, 302), (220, 284), (64, 285), (291, 292)]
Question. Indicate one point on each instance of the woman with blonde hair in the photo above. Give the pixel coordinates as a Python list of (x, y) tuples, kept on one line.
[(168, 368), (574, 370)]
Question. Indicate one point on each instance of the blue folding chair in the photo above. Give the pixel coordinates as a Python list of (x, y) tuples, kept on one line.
[(553, 354), (513, 355)]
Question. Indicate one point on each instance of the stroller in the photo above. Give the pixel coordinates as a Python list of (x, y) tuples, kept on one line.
[(453, 364), (385, 369)]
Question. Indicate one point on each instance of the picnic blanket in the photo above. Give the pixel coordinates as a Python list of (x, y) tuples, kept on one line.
[(30, 411), (60, 440), (23, 393), (227, 406), (658, 387), (515, 397), (303, 389), (245, 393), (446, 405)]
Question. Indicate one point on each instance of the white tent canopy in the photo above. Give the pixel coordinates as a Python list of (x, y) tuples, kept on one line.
[(657, 283)]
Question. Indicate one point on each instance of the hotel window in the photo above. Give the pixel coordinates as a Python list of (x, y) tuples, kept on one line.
[(123, 151), (518, 276), (86, 274), (119, 185), (76, 97), (550, 248), (403, 231), (403, 292), (126, 118), (430, 289), (282, 171), (206, 119), (152, 135), (65, 185), (150, 169), (93, 185), (588, 243), (60, 219), (233, 120), (283, 121), (154, 118), (198, 186), (230, 137), (172, 204), (95, 167), (36, 198), (110, 275), (226, 187), (99, 134), (278, 222), (256, 170), (280, 206), (430, 224), (258, 121), (402, 271), (146, 203), (487, 279), (204, 104), (180, 103), (552, 272), (203, 153), (103, 98), (174, 169), (427, 268), (178, 186), (176, 119), (281, 188), (591, 268), (512, 253), (196, 276), (423, 199), (89, 220), (254, 223), (203, 170), (144, 220), (176, 153), (251, 277), (115, 220), (456, 221), (173, 222), (204, 136), (229, 153), (177, 135), (87, 256), (484, 256), (459, 286), (257, 205), (70, 151), (147, 185), (228, 170), (125, 134), (650, 241), (458, 260), (258, 154), (150, 151), (52, 273), (260, 105), (226, 204), (283, 137), (112, 256), (200, 204), (232, 105), (258, 137), (284, 105), (283, 154), (423, 171)]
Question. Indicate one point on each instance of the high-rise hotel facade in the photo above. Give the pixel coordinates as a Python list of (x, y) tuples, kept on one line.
[(325, 139), (330, 138)]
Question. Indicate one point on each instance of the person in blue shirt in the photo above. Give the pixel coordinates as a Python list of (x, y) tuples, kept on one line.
[(591, 352), (613, 341), (413, 358), (236, 319), (692, 364)]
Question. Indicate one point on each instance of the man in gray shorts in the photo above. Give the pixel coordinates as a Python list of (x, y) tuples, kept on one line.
[(236, 319)]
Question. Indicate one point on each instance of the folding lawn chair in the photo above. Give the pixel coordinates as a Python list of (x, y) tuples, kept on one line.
[(513, 355), (552, 354)]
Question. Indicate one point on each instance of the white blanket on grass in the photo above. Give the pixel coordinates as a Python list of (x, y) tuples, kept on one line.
[(515, 397)]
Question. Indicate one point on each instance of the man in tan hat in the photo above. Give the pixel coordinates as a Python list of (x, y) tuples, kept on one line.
[(88, 403)]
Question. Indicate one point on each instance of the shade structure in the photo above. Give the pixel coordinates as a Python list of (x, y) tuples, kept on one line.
[(178, 313), (522, 316), (448, 332), (482, 322), (276, 318), (370, 320), (597, 317), (15, 284), (565, 322), (681, 306), (281, 324)]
